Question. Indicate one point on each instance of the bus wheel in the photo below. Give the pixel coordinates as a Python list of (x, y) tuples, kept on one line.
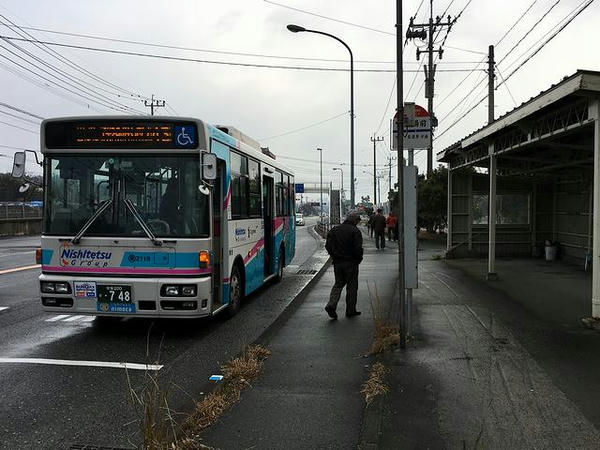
[(280, 265), (235, 291)]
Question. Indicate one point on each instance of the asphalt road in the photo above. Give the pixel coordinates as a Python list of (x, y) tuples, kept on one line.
[(58, 406)]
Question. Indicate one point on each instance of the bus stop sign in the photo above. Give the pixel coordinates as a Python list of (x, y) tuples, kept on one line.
[(417, 128)]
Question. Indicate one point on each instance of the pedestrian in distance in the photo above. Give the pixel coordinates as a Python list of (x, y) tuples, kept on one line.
[(370, 224), (391, 226), (379, 226), (344, 244)]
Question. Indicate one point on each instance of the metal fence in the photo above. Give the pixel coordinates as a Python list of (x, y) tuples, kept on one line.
[(19, 211)]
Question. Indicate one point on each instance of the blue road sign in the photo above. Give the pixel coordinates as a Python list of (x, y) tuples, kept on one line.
[(299, 188)]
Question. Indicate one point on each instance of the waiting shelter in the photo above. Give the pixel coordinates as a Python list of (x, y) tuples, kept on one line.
[(531, 178)]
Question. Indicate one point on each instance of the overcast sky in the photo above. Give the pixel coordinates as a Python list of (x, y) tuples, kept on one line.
[(265, 102)]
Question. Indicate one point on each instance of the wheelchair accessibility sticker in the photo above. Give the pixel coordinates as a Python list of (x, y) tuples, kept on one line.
[(184, 136)]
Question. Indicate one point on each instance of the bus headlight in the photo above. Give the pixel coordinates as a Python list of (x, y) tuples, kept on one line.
[(172, 291), (52, 287), (62, 288), (47, 287), (188, 291), (179, 290)]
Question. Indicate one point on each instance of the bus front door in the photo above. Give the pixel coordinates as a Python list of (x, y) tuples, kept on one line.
[(217, 235), (268, 224)]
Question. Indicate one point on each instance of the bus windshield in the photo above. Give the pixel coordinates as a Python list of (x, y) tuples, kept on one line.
[(162, 189)]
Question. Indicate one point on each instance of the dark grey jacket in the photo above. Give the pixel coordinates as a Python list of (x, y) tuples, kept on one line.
[(344, 243)]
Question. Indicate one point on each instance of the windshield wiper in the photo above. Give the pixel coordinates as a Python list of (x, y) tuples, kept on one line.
[(91, 220), (140, 220)]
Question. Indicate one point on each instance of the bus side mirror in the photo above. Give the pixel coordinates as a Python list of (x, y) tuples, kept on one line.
[(209, 166), (18, 169)]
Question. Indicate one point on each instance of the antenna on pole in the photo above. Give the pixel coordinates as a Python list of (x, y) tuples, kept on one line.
[(154, 104)]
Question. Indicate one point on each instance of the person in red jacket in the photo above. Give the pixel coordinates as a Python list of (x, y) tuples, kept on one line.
[(391, 226)]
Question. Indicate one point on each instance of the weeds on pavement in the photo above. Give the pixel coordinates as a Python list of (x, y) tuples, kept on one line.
[(375, 384), (237, 375), (387, 333), (158, 428)]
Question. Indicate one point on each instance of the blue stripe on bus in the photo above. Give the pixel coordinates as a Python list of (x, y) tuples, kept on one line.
[(47, 257), (160, 259)]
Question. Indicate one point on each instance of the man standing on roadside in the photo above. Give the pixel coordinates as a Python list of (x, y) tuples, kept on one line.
[(344, 244), (379, 226)]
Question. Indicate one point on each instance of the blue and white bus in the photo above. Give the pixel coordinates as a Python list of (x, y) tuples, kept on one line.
[(159, 217)]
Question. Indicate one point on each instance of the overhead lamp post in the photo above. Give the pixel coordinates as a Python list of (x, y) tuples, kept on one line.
[(299, 29), (320, 150), (341, 189)]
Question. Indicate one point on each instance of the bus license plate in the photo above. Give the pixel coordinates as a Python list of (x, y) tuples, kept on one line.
[(114, 294)]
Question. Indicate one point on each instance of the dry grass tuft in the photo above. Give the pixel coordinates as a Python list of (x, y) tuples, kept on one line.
[(375, 385), (237, 375), (387, 334)]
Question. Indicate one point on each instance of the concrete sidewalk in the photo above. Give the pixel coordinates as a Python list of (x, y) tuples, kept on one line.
[(308, 395), (484, 371)]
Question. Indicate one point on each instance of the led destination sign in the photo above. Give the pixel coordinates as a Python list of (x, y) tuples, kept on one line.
[(121, 134)]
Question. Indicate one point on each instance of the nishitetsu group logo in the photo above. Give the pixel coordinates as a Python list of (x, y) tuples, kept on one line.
[(84, 257)]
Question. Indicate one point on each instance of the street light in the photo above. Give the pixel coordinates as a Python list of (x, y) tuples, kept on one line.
[(299, 29), (341, 189), (320, 150)]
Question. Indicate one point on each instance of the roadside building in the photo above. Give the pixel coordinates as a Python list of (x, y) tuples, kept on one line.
[(531, 178)]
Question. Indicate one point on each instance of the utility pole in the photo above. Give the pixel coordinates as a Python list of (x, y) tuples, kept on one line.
[(417, 30), (154, 104), (400, 147), (390, 159), (375, 140), (491, 76)]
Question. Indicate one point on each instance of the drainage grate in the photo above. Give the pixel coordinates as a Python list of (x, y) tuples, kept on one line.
[(306, 272), (95, 447)]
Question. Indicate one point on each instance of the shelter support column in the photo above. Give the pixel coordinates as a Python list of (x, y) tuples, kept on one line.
[(449, 236), (492, 275), (594, 112)]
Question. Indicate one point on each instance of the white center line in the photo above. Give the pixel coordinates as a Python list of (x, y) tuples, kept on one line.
[(69, 362), (55, 318), (2, 308), (73, 319)]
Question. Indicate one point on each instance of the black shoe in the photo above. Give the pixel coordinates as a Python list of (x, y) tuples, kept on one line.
[(353, 313), (331, 312)]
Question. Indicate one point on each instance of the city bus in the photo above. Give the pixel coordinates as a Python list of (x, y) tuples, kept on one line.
[(158, 217)]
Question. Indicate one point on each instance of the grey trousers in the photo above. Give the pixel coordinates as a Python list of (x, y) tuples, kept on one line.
[(346, 274)]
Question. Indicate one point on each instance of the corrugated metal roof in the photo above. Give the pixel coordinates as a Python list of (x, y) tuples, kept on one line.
[(505, 120)]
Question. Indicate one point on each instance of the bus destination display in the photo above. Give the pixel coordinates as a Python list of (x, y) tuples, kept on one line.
[(120, 135)]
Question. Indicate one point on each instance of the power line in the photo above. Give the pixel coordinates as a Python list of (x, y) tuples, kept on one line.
[(548, 40), (74, 80), (22, 111), (205, 61), (330, 18), (20, 128), (516, 23), (74, 92), (71, 63), (570, 19), (537, 22), (18, 117), (305, 127), (387, 105), (193, 49)]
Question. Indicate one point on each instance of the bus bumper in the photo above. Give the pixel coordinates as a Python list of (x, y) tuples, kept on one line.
[(148, 297)]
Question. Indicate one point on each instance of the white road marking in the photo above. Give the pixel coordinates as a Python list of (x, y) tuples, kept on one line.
[(55, 318), (2, 308), (88, 319), (73, 318), (69, 362)]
